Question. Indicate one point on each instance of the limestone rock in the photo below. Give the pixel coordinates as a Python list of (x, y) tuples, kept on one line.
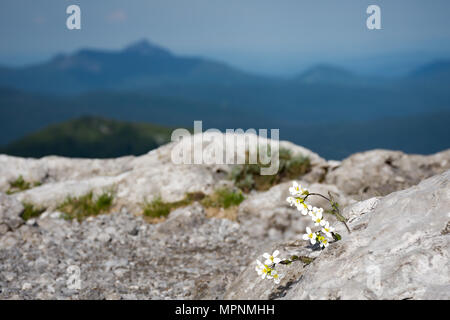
[(268, 217), (380, 172), (187, 256), (134, 180), (10, 210), (398, 249)]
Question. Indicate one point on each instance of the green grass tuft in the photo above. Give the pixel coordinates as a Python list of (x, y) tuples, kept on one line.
[(221, 198), (157, 208), (248, 177), (20, 185), (30, 211), (85, 206)]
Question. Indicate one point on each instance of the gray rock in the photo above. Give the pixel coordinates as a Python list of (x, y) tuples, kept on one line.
[(380, 172), (134, 179), (267, 216), (188, 256), (121, 256), (10, 211), (398, 249)]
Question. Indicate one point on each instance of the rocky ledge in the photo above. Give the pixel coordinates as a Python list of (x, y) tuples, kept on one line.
[(397, 207)]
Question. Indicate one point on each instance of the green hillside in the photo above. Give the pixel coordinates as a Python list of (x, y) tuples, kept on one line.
[(91, 137), (94, 137)]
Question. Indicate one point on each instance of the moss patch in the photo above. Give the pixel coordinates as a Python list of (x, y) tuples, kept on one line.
[(157, 208), (224, 198), (248, 177), (85, 206), (30, 211), (20, 184)]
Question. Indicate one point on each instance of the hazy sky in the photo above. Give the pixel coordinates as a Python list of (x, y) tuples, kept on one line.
[(278, 36)]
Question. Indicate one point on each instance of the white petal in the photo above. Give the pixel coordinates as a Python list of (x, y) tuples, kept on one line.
[(277, 260), (275, 253), (308, 230), (266, 255), (305, 237)]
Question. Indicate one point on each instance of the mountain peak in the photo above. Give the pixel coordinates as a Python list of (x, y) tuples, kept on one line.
[(145, 47), (325, 73)]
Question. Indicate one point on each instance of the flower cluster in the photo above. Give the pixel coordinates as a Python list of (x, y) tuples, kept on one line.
[(267, 269), (299, 195), (298, 198)]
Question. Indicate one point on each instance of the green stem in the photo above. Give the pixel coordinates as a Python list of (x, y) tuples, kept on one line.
[(334, 206)]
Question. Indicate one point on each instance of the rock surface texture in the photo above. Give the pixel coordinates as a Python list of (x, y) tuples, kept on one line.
[(398, 247), (120, 256), (380, 172)]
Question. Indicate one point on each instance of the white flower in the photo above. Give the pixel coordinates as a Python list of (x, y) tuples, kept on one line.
[(297, 190), (318, 219), (309, 235), (263, 270), (323, 242), (304, 211), (276, 276), (271, 259), (327, 229), (291, 200), (302, 206), (259, 267), (299, 203), (315, 211)]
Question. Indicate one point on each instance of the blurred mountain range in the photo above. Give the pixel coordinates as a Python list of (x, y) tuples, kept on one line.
[(137, 66), (147, 83)]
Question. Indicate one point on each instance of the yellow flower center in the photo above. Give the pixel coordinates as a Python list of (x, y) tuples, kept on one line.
[(267, 270)]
